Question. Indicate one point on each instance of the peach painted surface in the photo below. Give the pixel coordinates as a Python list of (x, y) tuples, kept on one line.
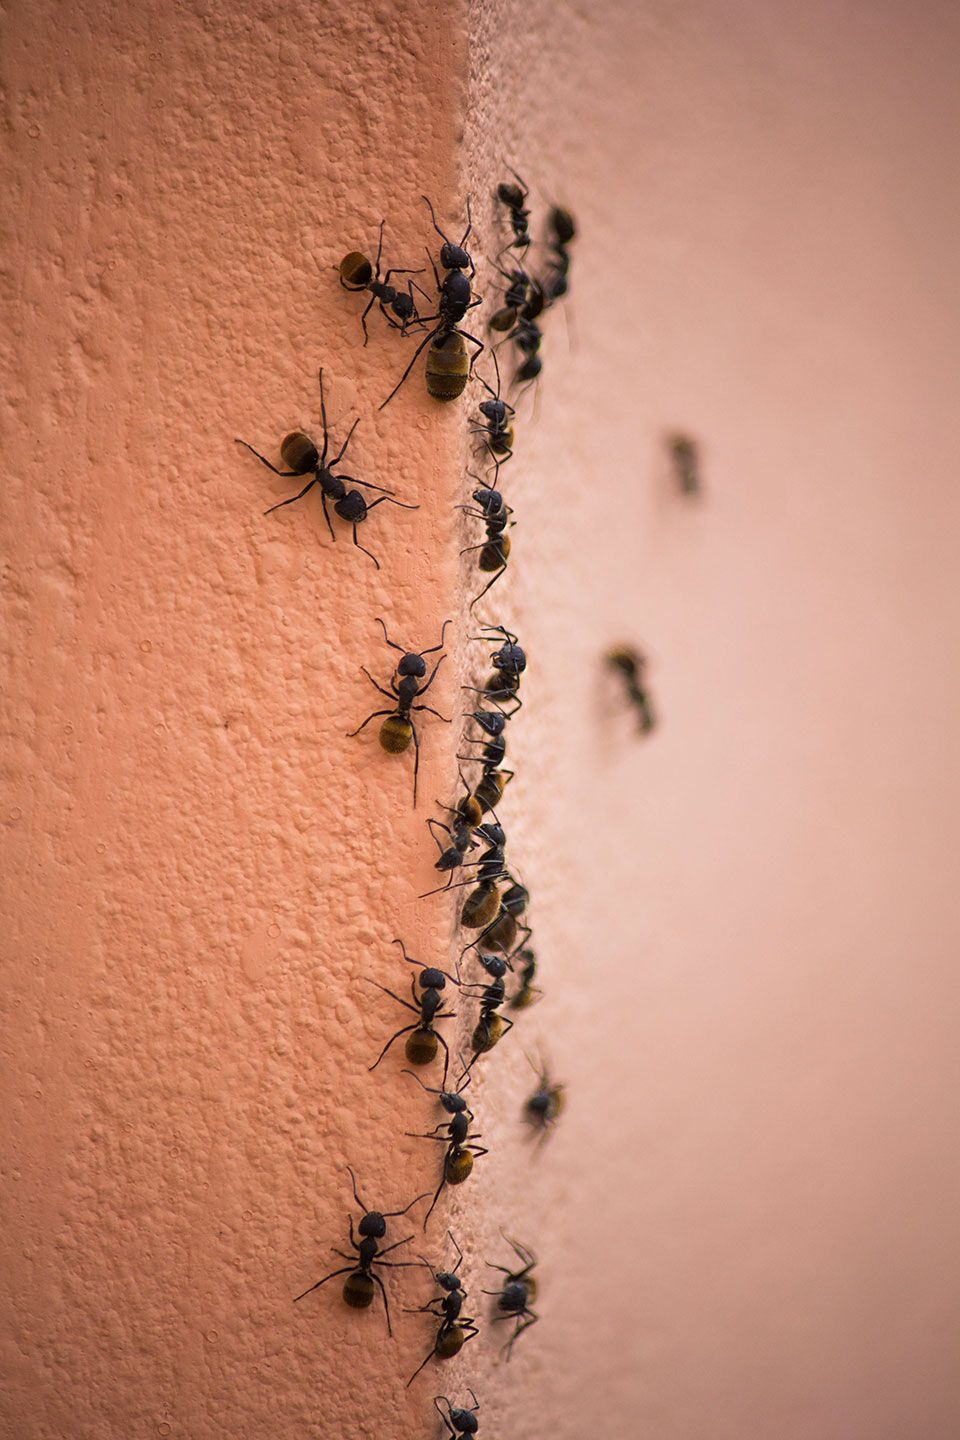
[(747, 926)]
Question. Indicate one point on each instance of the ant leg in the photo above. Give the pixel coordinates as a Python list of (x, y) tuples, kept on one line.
[(344, 1270), (521, 1326), (365, 483), (343, 448), (436, 1406), (326, 513), (405, 1003), (380, 250), (433, 217), (441, 848), (446, 1063), (386, 1307), (363, 547), (323, 417), (422, 346), (416, 763), (421, 1366), (376, 714), (309, 486), (356, 1196), (430, 711), (392, 643), (284, 474), (397, 1243), (437, 1194), (389, 500), (479, 350), (386, 1047), (389, 693), (363, 320), (424, 688), (434, 648)]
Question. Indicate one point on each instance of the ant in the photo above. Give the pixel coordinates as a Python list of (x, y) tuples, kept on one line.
[(542, 1109), (514, 197), (300, 452), (447, 368), (527, 993), (455, 1328), (517, 1293), (631, 665), (398, 728), (515, 298), (423, 1039), (467, 815), (494, 511), (490, 864), (357, 273), (493, 751), (491, 1027), (509, 663), (686, 462), (564, 230), (358, 1288), (459, 1422), (460, 1143), (498, 428)]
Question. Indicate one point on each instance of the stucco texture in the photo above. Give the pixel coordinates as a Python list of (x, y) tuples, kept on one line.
[(746, 924)]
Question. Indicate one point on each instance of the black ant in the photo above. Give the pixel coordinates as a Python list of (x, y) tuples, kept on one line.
[(528, 337), (493, 749), (489, 865), (467, 815), (498, 428), (494, 511), (398, 728), (357, 273), (423, 1039), (358, 1288), (447, 368), (527, 992), (460, 1143), (455, 1328), (686, 462), (515, 298), (514, 197), (459, 1422), (542, 1109), (517, 1293), (509, 663), (491, 1026), (631, 665), (563, 229), (299, 451)]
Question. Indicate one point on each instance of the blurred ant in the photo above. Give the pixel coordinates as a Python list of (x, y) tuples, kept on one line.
[(494, 511), (455, 1328), (398, 728), (686, 462), (514, 197), (461, 1144), (301, 454), (542, 1109), (631, 665), (459, 1422), (491, 1026), (357, 273), (498, 428), (527, 993), (517, 1293), (447, 368), (563, 229), (423, 1039), (358, 1288)]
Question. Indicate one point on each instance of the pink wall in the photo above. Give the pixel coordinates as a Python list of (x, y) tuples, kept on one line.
[(747, 925)]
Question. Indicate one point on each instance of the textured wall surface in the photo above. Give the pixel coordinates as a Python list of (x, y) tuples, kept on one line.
[(747, 925)]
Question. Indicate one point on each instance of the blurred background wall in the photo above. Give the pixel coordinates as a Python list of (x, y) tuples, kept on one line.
[(746, 924)]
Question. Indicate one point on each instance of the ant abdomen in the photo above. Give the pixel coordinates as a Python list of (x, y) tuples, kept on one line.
[(486, 1034), (356, 270), (494, 554), (502, 934), (447, 368), (458, 1167), (359, 1291), (299, 452), (480, 907), (421, 1047), (395, 734)]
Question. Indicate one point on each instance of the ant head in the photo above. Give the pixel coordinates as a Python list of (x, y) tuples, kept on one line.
[(453, 1102), (515, 900), (373, 1224), (448, 1281), (510, 195), (490, 501), (492, 833), (453, 257), (411, 664), (464, 1420), (494, 410), (431, 978), (509, 657), (494, 965), (491, 722), (563, 225)]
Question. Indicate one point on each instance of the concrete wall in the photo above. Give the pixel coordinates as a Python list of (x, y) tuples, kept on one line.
[(747, 925)]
